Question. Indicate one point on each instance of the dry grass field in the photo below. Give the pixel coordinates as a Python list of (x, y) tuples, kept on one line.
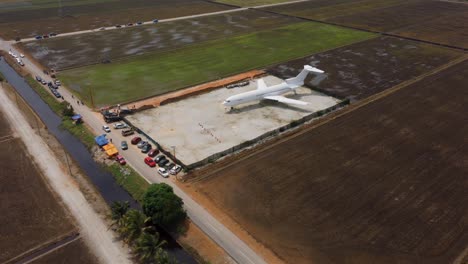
[(16, 21), (384, 183), (31, 214), (360, 70)]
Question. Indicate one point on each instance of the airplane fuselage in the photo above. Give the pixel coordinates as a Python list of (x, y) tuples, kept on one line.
[(257, 94)]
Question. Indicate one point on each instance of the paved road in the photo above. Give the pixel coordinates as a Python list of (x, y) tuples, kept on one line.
[(95, 231), (235, 247)]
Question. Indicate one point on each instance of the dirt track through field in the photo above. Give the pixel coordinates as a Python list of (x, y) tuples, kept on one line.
[(375, 184)]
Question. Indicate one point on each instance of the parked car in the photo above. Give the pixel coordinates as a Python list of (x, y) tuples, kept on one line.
[(120, 160), (53, 34), (112, 118), (38, 37), (123, 145), (21, 55), (169, 166), (21, 63), (43, 82), (118, 26), (135, 140), (57, 94), (146, 148), (127, 132), (57, 82), (150, 162), (155, 21), (129, 24), (120, 125), (163, 172), (158, 158), (141, 144), (163, 162), (139, 23), (45, 36), (106, 129), (39, 79), (176, 169), (152, 153)]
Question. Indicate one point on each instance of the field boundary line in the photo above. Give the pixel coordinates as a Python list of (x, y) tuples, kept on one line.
[(35, 250), (237, 158), (57, 245)]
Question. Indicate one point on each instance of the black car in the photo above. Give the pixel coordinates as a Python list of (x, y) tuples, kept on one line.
[(163, 162), (118, 26), (39, 79), (158, 158), (139, 23), (146, 148)]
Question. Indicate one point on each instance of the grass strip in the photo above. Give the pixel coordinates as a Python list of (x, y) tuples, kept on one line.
[(128, 178)]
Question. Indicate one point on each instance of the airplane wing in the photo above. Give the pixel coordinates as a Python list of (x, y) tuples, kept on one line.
[(285, 100), (261, 84)]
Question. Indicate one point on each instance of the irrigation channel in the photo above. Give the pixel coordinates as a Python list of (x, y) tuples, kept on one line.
[(102, 179)]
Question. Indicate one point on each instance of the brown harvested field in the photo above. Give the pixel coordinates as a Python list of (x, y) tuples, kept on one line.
[(384, 183), (31, 214), (391, 18), (85, 49), (450, 30), (74, 253), (99, 13), (360, 70), (326, 9)]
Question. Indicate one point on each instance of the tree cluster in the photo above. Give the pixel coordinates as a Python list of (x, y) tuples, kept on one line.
[(163, 206), (138, 231)]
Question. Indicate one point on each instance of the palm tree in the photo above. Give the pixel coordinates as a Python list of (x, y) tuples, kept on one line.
[(133, 224), (148, 246), (163, 258), (118, 210)]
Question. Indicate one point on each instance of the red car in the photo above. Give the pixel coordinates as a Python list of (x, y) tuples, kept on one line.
[(153, 153), (150, 162), (120, 160), (135, 140)]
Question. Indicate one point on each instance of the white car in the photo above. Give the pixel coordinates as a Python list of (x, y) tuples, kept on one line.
[(120, 125), (106, 128), (175, 169), (163, 172), (21, 55)]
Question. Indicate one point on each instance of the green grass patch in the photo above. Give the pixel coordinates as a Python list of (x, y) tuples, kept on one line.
[(130, 180), (80, 131), (158, 73), (10, 6)]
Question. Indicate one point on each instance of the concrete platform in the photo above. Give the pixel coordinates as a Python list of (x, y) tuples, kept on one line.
[(200, 126)]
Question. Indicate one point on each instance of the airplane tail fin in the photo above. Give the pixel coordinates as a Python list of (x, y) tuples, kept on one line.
[(299, 79)]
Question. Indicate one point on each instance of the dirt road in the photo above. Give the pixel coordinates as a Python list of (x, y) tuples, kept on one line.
[(97, 235)]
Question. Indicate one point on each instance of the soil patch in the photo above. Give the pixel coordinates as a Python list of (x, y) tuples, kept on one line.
[(385, 183), (74, 253), (31, 213)]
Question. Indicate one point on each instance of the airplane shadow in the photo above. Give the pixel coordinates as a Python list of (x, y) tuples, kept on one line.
[(263, 103)]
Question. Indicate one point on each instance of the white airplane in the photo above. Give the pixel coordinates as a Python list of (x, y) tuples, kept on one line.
[(273, 92)]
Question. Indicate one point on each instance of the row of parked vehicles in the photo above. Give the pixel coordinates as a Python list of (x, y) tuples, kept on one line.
[(17, 58), (166, 167), (53, 34), (53, 86)]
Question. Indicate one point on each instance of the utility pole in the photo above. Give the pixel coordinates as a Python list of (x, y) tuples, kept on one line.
[(173, 149)]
